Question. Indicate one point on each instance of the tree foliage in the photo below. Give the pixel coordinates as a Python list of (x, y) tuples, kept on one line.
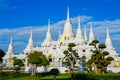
[(54, 71), (2, 54), (35, 58), (45, 62), (99, 59), (71, 57), (17, 64)]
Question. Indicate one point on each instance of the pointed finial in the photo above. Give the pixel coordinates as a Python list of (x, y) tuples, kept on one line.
[(68, 15), (91, 27), (48, 25), (84, 30), (31, 33), (108, 41), (48, 22), (91, 35), (78, 21), (85, 34), (107, 32), (11, 40)]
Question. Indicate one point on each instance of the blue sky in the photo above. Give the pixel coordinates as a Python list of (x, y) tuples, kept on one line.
[(17, 16), (20, 13)]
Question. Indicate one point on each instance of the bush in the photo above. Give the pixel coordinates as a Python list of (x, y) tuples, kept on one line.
[(43, 74), (9, 75), (83, 76), (112, 76), (54, 71), (17, 69)]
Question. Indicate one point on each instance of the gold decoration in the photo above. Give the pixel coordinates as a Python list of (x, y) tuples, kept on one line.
[(51, 64), (116, 64), (50, 55), (66, 35), (11, 62)]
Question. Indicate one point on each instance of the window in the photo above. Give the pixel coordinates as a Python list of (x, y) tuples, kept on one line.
[(83, 50), (91, 50), (50, 59)]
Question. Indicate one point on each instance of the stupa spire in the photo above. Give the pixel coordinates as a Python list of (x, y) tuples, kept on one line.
[(85, 35), (11, 41), (48, 25), (108, 41), (31, 42), (30, 46), (68, 14), (48, 36), (68, 31), (48, 39), (79, 33), (91, 36), (10, 51), (79, 38)]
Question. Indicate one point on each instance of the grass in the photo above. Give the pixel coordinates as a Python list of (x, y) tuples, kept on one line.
[(77, 76), (26, 78), (60, 77)]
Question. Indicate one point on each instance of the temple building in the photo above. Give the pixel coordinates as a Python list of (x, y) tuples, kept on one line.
[(54, 49)]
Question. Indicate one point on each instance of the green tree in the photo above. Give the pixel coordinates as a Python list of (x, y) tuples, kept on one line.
[(35, 58), (2, 54), (84, 62), (99, 59), (71, 57), (94, 43), (17, 64), (54, 72), (45, 62)]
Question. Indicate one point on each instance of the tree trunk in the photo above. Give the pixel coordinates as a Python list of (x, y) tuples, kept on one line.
[(54, 77), (95, 69), (35, 66), (34, 69), (45, 68), (72, 67)]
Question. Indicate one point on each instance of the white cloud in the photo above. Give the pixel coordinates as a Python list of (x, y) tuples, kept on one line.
[(21, 35)]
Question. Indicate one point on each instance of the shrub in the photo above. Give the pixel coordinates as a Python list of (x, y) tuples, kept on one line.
[(54, 71), (83, 76), (9, 75), (17, 69), (43, 74)]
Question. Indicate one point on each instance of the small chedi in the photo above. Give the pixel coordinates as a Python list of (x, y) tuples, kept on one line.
[(54, 49)]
